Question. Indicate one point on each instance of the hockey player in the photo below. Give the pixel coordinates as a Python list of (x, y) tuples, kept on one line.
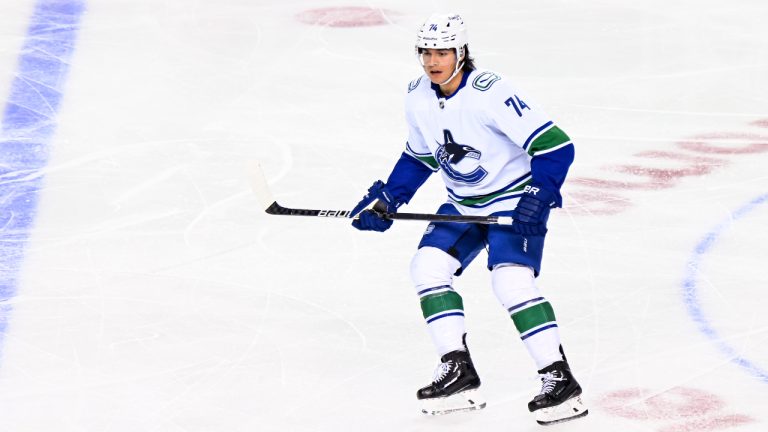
[(499, 154)]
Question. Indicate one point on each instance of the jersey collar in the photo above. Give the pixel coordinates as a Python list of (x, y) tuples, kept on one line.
[(439, 94)]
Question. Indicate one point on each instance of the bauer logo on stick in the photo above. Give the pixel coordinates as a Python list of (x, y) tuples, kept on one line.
[(333, 213)]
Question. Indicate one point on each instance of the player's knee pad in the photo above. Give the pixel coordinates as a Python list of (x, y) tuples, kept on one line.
[(513, 284), (432, 267)]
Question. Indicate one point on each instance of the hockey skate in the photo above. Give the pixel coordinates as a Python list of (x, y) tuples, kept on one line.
[(454, 388), (560, 396)]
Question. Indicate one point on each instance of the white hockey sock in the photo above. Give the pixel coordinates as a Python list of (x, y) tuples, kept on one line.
[(447, 334), (516, 290), (443, 309), (544, 347)]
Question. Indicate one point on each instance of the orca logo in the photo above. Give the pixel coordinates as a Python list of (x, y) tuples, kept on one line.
[(451, 153), (414, 84)]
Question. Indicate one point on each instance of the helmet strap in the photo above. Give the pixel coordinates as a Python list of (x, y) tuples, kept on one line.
[(455, 72), (459, 65)]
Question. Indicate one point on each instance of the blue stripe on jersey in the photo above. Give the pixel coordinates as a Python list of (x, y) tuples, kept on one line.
[(535, 134), (514, 183), (494, 201), (410, 149)]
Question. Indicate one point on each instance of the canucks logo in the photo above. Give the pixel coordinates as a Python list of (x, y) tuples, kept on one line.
[(485, 80), (452, 153)]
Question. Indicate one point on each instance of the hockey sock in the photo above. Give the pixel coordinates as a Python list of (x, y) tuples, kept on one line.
[(532, 314), (443, 309)]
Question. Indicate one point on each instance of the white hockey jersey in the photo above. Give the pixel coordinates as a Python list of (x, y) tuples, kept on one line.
[(481, 139)]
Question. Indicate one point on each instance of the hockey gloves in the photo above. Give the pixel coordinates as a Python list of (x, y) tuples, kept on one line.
[(532, 211), (371, 220)]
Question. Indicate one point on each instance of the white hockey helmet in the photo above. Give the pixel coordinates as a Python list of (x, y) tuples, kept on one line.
[(443, 31)]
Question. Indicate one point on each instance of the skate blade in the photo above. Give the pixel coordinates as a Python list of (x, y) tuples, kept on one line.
[(571, 409), (468, 400)]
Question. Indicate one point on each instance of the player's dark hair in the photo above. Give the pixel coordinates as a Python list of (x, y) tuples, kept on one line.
[(469, 62)]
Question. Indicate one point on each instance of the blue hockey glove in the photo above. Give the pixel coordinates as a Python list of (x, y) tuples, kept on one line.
[(369, 220), (532, 211)]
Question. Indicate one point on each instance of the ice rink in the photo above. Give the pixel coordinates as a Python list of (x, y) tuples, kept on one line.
[(144, 289)]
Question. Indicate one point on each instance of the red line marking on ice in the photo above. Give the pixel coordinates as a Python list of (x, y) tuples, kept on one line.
[(696, 155), (699, 143), (710, 424), (676, 403), (346, 16), (680, 409)]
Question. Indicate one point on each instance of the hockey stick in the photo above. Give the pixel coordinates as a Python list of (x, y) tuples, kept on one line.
[(277, 209), (261, 188)]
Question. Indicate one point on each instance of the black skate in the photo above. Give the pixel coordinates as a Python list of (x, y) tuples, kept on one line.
[(454, 387), (560, 396)]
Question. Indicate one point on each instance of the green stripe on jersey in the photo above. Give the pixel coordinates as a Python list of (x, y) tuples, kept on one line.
[(482, 199), (428, 160), (533, 316), (552, 138), (436, 303)]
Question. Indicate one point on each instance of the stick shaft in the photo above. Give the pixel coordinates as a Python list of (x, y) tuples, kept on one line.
[(277, 209), (261, 189)]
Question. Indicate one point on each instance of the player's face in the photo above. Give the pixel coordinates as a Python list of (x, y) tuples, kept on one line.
[(439, 64)]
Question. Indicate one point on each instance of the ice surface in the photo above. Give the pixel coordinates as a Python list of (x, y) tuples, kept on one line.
[(155, 294)]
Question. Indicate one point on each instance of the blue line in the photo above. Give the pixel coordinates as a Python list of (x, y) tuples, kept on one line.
[(29, 122), (691, 293)]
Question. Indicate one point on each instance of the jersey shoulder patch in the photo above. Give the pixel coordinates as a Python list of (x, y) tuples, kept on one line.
[(413, 85), (484, 80)]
